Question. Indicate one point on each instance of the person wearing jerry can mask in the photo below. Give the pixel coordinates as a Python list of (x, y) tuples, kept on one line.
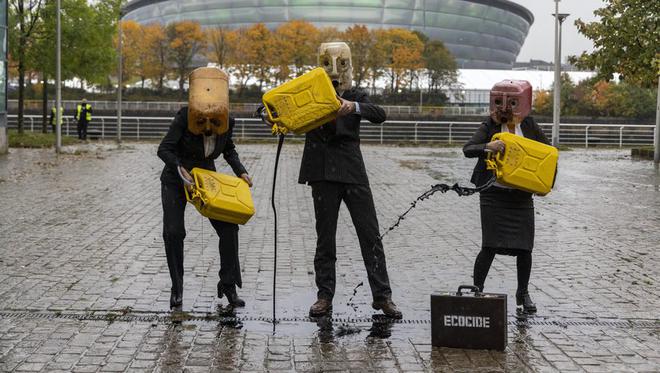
[(507, 214), (199, 134), (332, 165)]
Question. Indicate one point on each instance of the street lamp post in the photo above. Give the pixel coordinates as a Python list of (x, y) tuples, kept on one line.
[(120, 78), (58, 83), (559, 19), (656, 156)]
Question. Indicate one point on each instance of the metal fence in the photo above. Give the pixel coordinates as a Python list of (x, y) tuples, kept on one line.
[(145, 128), (70, 106)]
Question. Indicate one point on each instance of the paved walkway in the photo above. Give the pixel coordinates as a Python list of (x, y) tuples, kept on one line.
[(84, 284)]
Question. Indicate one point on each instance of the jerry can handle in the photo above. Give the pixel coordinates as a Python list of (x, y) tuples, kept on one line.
[(473, 288), (190, 195), (270, 115), (195, 193)]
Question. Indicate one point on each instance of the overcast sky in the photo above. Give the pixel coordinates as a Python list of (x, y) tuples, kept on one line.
[(540, 41)]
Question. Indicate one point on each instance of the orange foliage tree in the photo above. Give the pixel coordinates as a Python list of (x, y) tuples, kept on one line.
[(296, 44), (156, 48), (186, 40), (221, 43)]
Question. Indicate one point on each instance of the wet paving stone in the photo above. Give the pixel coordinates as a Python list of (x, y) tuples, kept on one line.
[(81, 243)]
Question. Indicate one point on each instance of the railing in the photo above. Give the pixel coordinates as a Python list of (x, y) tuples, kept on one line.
[(172, 107), (145, 128)]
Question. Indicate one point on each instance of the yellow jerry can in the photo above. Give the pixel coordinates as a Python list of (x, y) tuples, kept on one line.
[(221, 197), (525, 164), (304, 103)]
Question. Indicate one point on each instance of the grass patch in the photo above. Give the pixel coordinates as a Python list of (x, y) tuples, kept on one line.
[(36, 140)]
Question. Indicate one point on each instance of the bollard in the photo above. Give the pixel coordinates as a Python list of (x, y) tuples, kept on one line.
[(450, 126), (586, 136)]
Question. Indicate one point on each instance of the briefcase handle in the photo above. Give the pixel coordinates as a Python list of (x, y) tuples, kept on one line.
[(472, 288)]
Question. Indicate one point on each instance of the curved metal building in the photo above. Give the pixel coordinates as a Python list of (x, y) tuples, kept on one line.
[(482, 34)]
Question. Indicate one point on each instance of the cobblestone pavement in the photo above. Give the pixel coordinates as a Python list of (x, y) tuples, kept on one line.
[(84, 285)]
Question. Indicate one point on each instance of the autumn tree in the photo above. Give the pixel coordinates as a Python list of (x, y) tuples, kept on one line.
[(296, 44), (542, 102), (328, 34), (221, 42), (362, 42), (254, 54), (378, 55), (156, 47), (403, 51), (132, 45), (186, 39), (241, 59)]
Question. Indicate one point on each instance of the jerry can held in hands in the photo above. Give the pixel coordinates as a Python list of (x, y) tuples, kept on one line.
[(525, 164), (221, 197), (302, 104)]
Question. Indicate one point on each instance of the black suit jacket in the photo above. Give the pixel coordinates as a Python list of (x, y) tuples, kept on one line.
[(477, 145), (332, 151), (181, 147)]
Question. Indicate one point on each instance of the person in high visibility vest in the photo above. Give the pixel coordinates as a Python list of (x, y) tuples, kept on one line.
[(83, 116), (52, 121)]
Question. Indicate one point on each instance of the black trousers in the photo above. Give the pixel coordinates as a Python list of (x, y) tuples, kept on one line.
[(523, 267), (359, 200), (82, 130), (174, 232)]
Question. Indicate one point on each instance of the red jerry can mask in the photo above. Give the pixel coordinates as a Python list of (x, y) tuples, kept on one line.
[(510, 101)]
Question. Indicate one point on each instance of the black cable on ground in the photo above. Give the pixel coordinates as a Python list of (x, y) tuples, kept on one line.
[(272, 202)]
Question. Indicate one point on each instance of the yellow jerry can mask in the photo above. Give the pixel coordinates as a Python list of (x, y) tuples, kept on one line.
[(302, 104), (525, 164), (208, 102), (220, 197)]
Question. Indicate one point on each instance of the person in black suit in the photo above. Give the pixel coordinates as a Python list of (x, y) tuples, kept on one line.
[(197, 136), (507, 214), (332, 165)]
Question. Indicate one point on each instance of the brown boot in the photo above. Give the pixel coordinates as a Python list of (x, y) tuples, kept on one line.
[(321, 307), (388, 307)]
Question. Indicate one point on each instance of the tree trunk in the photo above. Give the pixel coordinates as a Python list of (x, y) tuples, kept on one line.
[(182, 80), (44, 113), (21, 92)]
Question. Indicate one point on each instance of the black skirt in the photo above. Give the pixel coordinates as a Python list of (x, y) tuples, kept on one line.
[(507, 221)]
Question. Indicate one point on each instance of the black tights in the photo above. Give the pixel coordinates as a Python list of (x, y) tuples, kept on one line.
[(485, 259)]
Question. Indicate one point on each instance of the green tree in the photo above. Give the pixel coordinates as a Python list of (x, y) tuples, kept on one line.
[(441, 67), (626, 40), (24, 23)]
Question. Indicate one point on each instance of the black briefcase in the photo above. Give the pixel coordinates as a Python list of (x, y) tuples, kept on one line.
[(476, 320)]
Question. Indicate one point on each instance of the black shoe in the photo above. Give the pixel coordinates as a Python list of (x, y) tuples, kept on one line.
[(230, 292), (321, 307), (389, 308), (523, 299), (176, 301)]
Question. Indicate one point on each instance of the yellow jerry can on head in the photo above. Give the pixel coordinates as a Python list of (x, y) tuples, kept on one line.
[(221, 197), (302, 104), (525, 164)]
